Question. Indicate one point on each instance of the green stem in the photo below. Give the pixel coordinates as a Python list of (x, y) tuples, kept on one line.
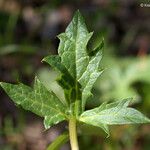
[(73, 134), (59, 141)]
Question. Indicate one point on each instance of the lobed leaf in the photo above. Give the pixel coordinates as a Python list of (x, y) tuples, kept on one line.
[(113, 114), (79, 68), (38, 100)]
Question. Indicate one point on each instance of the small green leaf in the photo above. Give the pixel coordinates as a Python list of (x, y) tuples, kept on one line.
[(113, 114), (38, 100), (55, 62), (72, 47), (66, 81)]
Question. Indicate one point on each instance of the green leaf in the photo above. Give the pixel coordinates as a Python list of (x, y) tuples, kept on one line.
[(55, 62), (66, 81), (38, 100), (127, 72), (58, 142), (113, 114), (78, 66), (72, 48)]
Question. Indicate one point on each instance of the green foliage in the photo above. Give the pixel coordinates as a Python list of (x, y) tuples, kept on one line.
[(79, 69), (117, 81), (112, 114), (38, 100)]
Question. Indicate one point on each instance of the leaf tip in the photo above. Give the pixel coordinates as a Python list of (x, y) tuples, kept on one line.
[(78, 15), (147, 120), (2, 84), (77, 12), (108, 135), (42, 61)]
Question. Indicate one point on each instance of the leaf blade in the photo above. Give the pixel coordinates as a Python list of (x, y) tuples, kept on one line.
[(113, 114), (38, 100), (82, 65)]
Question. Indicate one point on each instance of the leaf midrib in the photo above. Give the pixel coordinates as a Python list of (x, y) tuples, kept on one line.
[(100, 114)]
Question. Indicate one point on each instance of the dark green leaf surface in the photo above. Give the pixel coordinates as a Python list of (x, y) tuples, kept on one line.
[(79, 68), (66, 81), (113, 114), (38, 100)]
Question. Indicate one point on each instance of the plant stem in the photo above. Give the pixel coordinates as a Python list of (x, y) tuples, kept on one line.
[(73, 134), (58, 142)]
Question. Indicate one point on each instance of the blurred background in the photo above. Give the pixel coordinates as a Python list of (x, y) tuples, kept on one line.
[(28, 30)]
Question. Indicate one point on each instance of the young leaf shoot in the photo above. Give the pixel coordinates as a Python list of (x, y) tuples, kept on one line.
[(79, 69)]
